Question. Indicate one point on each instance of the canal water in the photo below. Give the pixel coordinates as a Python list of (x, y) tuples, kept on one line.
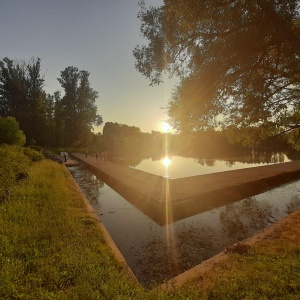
[(173, 166), (157, 253)]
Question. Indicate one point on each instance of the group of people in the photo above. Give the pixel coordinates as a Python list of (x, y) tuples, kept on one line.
[(64, 156), (103, 156)]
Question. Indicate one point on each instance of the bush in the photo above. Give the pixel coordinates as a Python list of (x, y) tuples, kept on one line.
[(14, 167), (33, 155), (10, 132)]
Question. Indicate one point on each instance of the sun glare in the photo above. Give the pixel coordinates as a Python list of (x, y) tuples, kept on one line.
[(166, 161), (165, 127)]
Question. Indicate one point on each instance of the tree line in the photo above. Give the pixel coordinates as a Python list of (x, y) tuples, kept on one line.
[(48, 120), (123, 141), (29, 115)]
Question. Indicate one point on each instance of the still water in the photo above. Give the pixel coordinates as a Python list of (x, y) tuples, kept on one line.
[(174, 167), (156, 253)]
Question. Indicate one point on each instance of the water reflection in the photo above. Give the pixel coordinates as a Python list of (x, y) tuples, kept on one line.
[(156, 253), (180, 166), (245, 217), (166, 162), (90, 185)]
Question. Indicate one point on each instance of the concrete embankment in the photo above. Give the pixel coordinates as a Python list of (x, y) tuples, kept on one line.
[(168, 200)]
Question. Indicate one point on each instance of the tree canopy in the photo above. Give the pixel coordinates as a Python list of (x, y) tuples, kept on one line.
[(48, 120), (22, 96), (238, 62), (77, 107)]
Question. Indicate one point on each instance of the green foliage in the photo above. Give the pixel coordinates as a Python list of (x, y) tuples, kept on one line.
[(235, 59), (294, 138), (121, 138), (10, 132), (77, 108), (14, 166), (33, 155), (48, 120), (22, 96)]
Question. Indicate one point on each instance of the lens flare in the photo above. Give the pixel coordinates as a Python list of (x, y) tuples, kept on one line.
[(165, 127), (166, 161)]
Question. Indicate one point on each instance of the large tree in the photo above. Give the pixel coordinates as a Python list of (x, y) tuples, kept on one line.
[(14, 90), (238, 61), (22, 97), (77, 107)]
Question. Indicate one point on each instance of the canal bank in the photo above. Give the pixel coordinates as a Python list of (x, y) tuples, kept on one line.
[(168, 200), (204, 266)]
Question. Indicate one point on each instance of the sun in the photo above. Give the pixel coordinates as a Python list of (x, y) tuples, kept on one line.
[(165, 127)]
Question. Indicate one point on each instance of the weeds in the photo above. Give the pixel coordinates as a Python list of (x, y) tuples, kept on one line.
[(15, 162)]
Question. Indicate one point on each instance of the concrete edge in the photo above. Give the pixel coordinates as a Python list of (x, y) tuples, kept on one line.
[(194, 272), (108, 239), (209, 264)]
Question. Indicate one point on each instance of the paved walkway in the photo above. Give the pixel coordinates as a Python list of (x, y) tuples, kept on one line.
[(168, 200)]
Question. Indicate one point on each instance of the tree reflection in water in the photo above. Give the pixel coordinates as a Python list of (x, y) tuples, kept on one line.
[(89, 183), (243, 218)]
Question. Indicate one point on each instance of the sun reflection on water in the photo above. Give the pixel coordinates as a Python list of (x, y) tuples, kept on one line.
[(166, 161), (170, 234)]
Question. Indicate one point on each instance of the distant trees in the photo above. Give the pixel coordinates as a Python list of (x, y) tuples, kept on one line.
[(121, 138), (128, 141), (48, 120), (237, 59)]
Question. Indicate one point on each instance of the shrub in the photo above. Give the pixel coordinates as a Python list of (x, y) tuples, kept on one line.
[(33, 155), (14, 167), (10, 132)]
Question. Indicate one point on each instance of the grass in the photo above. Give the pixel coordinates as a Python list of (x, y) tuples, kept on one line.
[(52, 248)]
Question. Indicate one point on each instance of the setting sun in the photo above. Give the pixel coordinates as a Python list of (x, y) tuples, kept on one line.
[(165, 127)]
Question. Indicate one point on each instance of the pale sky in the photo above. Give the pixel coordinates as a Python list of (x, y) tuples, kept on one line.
[(93, 35)]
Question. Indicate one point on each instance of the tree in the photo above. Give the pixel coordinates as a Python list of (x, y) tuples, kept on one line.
[(10, 132), (13, 90), (77, 107), (236, 59), (22, 96), (36, 125)]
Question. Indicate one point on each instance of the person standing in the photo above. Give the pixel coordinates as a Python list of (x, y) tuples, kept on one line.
[(66, 156), (62, 156)]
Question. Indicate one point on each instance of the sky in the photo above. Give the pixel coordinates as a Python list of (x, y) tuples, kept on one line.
[(93, 35)]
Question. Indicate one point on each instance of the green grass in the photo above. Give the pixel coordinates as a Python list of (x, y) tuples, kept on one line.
[(52, 248)]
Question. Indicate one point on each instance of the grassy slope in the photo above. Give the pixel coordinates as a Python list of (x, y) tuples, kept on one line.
[(51, 248), (268, 270)]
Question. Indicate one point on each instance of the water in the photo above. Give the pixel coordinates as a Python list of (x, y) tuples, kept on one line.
[(178, 167), (156, 253)]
